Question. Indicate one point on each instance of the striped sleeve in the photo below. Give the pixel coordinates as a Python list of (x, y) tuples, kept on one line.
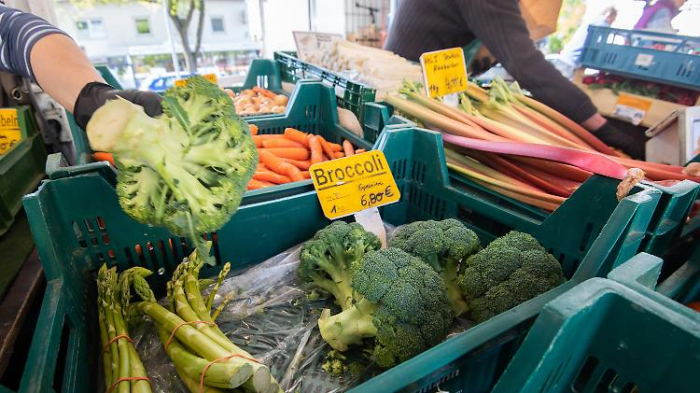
[(19, 32)]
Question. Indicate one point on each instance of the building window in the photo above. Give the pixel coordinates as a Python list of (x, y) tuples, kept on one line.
[(143, 26), (91, 28), (217, 24)]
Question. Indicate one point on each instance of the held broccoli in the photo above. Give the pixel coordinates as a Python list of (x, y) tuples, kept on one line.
[(444, 245), (511, 270), (327, 259), (186, 170), (401, 308)]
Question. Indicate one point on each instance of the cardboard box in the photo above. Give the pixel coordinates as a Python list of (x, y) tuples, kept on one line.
[(540, 16)]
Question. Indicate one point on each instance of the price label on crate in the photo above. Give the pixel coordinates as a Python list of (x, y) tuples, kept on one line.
[(445, 72), (352, 184), (210, 77), (631, 109), (10, 133)]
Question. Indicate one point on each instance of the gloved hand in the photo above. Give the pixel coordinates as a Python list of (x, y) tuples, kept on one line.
[(96, 94), (631, 143)]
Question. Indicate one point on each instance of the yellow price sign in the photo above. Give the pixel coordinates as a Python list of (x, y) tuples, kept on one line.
[(348, 185), (210, 77), (445, 72), (10, 133)]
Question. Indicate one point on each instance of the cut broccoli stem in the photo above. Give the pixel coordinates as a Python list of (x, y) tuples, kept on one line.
[(450, 276), (348, 327)]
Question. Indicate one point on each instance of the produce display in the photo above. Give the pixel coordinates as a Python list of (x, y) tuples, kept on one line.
[(617, 84), (286, 158), (377, 68), (397, 302), (186, 170), (258, 101), (520, 148)]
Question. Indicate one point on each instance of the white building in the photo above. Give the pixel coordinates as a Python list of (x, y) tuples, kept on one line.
[(139, 28)]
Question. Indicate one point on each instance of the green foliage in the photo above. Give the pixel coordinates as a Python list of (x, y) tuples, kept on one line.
[(511, 270), (186, 170), (401, 309), (444, 245)]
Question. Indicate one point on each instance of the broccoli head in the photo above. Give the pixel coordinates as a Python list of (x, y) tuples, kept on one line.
[(444, 245), (401, 308), (326, 260), (187, 169), (511, 270)]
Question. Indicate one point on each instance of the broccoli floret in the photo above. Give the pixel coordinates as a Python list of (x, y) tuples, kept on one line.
[(187, 169), (511, 270), (326, 260), (401, 308), (444, 245)]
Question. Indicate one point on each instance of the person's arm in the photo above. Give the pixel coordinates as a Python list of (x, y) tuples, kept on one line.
[(32, 47), (501, 27)]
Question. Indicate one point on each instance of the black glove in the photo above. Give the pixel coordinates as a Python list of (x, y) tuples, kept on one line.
[(96, 94), (630, 142)]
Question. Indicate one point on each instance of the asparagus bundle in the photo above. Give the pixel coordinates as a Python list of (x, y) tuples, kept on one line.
[(124, 371), (205, 359)]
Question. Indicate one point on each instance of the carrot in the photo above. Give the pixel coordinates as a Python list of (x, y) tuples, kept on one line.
[(260, 167), (253, 129), (358, 151), (277, 165), (296, 136), (329, 148), (272, 177), (324, 158), (259, 139), (316, 149), (348, 149), (295, 153), (280, 142), (339, 154), (303, 165), (306, 174), (102, 156), (257, 184), (264, 92)]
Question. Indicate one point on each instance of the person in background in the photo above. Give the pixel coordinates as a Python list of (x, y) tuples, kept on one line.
[(658, 15), (33, 48), (570, 57), (427, 25)]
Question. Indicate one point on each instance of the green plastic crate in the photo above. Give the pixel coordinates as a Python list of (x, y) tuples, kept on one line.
[(21, 168), (642, 273), (263, 73), (77, 224), (603, 336), (312, 108), (351, 95)]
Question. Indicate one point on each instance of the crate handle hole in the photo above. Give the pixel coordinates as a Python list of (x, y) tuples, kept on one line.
[(62, 366), (585, 374), (76, 230)]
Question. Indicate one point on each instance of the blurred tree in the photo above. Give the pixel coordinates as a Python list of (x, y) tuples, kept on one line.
[(182, 14)]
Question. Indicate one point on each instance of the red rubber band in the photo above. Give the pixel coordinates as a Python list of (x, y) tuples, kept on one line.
[(206, 368), (115, 338), (124, 379), (172, 334)]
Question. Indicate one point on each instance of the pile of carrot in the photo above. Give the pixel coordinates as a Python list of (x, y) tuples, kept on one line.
[(287, 157), (497, 139)]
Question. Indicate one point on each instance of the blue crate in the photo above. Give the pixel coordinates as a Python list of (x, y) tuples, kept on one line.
[(631, 53)]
